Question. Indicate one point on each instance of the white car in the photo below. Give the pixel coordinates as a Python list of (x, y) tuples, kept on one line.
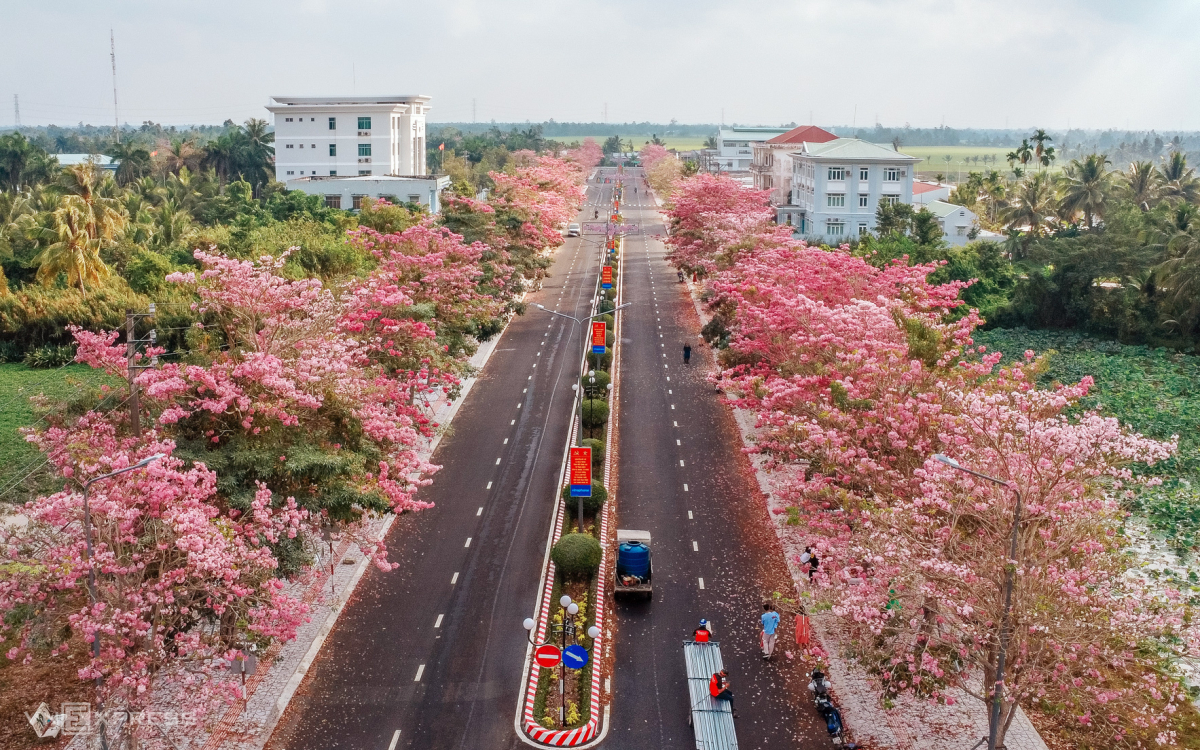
[(572, 230)]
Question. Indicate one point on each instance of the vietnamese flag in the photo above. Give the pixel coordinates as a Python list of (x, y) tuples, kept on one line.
[(442, 147)]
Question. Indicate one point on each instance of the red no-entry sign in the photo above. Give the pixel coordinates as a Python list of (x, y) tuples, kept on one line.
[(547, 655)]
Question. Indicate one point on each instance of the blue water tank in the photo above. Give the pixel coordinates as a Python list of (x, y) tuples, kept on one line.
[(633, 559)]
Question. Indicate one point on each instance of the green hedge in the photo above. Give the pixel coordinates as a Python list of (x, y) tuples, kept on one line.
[(600, 386), (577, 556), (595, 412), (591, 505), (598, 449), (600, 362)]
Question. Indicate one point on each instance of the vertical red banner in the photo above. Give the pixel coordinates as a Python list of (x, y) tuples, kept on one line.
[(580, 472), (599, 336), (606, 277)]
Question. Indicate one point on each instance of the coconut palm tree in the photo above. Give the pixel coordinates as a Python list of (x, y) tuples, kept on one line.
[(76, 251), (258, 152), (1143, 184), (1086, 187), (1179, 275), (1024, 152), (1047, 157), (1033, 206), (1040, 138), (179, 155), (133, 162), (1179, 181), (22, 163), (221, 155)]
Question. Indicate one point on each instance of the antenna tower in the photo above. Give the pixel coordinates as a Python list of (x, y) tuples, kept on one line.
[(112, 53), (17, 111)]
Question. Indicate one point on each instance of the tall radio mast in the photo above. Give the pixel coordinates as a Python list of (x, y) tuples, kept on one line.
[(112, 45)]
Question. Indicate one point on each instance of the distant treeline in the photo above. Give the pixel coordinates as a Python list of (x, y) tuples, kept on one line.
[(555, 129)]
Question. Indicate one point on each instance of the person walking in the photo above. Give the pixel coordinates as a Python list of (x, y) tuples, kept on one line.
[(687, 353), (770, 622), (718, 688)]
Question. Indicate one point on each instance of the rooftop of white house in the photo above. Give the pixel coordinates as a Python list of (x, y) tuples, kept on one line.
[(853, 148)]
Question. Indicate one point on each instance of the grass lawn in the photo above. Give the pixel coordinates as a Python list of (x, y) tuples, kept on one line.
[(962, 160), (17, 384)]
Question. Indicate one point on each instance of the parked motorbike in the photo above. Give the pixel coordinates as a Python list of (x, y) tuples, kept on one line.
[(824, 705)]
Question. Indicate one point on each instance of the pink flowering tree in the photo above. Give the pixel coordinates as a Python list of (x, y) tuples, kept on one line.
[(859, 376), (183, 581), (652, 153), (588, 155)]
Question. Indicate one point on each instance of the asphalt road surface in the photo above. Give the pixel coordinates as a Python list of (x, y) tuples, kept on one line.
[(681, 476), (435, 649)]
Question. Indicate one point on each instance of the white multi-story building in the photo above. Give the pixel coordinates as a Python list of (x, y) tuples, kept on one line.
[(349, 136), (771, 164), (735, 146), (348, 192), (837, 186)]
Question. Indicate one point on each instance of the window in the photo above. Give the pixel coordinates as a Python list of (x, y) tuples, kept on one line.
[(358, 199), (862, 227), (312, 119), (287, 119), (364, 149), (362, 172), (864, 174), (333, 173), (333, 123), (333, 201), (333, 149), (364, 123), (301, 145), (835, 200), (962, 231), (288, 146), (863, 200), (891, 174), (314, 145), (414, 198), (302, 171), (834, 228), (891, 200), (837, 173), (291, 171)]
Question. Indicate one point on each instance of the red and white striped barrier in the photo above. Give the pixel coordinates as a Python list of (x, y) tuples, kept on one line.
[(588, 732)]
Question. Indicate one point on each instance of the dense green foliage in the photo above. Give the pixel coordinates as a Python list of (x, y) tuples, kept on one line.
[(591, 505), (576, 556), (598, 449), (1154, 391)]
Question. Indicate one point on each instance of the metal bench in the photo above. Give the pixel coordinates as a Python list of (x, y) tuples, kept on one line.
[(711, 719)]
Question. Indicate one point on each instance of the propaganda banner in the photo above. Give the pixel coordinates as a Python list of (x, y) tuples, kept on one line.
[(606, 277), (580, 472), (599, 336)]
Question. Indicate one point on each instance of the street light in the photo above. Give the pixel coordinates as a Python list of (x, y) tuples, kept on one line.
[(575, 387), (1010, 569), (87, 534)]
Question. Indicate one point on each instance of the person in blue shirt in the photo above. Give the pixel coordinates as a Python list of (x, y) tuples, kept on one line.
[(770, 622)]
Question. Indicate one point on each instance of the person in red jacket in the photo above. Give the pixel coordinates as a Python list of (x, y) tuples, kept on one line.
[(718, 688), (702, 633)]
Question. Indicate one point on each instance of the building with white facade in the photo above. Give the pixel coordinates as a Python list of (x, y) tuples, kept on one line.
[(771, 162), (349, 136), (735, 146), (956, 221), (837, 186), (348, 192)]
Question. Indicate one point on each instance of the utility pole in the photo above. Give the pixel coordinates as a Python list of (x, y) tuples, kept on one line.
[(17, 110), (112, 53), (135, 421)]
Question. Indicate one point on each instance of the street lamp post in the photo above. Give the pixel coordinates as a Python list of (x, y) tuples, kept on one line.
[(1010, 570), (87, 535), (570, 609), (576, 386)]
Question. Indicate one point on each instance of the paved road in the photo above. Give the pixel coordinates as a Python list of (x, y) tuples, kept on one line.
[(435, 648), (681, 476)]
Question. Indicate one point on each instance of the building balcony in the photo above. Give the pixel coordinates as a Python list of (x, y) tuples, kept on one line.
[(759, 167)]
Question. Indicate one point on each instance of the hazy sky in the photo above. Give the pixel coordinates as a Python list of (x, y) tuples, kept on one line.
[(968, 63)]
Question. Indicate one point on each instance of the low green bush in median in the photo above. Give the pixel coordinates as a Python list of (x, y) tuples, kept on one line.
[(576, 556)]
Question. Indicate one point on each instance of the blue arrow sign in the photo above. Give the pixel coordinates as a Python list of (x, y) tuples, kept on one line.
[(575, 657)]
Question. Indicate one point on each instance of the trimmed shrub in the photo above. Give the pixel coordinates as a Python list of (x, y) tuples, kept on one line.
[(598, 449), (595, 412), (599, 362), (604, 306), (599, 387), (608, 319), (577, 555), (609, 338)]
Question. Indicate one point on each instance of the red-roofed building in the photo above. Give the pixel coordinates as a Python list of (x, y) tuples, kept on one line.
[(771, 164), (925, 193)]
